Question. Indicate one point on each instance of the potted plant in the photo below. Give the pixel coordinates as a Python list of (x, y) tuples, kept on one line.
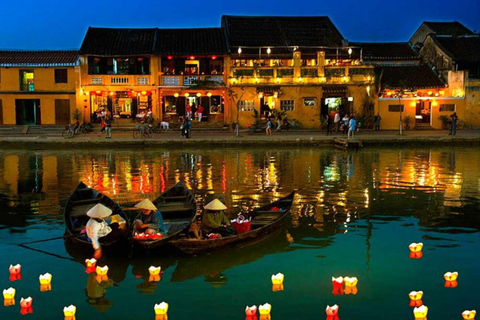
[(407, 120), (445, 121)]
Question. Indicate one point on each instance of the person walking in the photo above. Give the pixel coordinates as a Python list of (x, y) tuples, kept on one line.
[(269, 127), (187, 127), (189, 110), (377, 122), (345, 124), (108, 124), (328, 123), (453, 124), (279, 121), (352, 125), (336, 121), (199, 112)]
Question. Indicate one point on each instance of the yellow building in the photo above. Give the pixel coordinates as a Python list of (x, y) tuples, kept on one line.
[(38, 87)]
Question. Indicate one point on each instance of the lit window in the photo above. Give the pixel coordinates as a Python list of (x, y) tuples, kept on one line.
[(246, 105), (287, 105)]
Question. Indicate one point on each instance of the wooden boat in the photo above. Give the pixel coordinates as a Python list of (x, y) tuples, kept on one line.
[(75, 214), (178, 208), (266, 221)]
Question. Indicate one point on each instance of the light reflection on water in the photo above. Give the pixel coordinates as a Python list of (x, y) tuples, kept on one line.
[(354, 214)]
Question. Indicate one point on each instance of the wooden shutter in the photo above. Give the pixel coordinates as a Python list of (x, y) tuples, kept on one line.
[(62, 111)]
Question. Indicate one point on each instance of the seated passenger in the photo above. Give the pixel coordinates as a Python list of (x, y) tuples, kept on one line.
[(149, 220), (98, 230), (195, 229), (215, 221)]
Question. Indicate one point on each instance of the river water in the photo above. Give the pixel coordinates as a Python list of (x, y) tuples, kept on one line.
[(354, 214)]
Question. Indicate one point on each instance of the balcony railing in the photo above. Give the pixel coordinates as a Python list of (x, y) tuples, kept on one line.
[(132, 80), (185, 81)]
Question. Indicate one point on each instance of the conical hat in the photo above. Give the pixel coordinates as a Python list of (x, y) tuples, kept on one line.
[(215, 205), (99, 211), (146, 204)]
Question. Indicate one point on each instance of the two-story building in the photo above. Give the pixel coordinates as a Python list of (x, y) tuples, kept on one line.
[(38, 87), (299, 66)]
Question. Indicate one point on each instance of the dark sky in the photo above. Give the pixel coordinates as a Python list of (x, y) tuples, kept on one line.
[(62, 24)]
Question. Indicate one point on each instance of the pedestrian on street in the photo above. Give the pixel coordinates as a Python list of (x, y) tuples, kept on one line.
[(328, 123), (336, 120), (108, 124), (279, 121), (199, 112), (352, 125), (345, 124), (269, 127), (453, 124), (377, 120)]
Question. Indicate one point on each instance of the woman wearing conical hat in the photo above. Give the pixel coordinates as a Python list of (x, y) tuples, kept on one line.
[(149, 220), (98, 230), (215, 221)]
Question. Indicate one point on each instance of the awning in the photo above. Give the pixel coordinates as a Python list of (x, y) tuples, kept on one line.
[(334, 89), (268, 89)]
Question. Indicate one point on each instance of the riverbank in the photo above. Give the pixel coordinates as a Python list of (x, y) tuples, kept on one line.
[(173, 139)]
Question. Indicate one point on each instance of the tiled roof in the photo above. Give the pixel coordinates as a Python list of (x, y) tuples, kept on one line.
[(106, 41), (461, 49), (201, 41), (411, 76), (43, 58), (281, 31), (454, 28), (387, 51)]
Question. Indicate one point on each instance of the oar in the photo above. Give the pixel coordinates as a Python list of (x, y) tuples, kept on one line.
[(50, 239)]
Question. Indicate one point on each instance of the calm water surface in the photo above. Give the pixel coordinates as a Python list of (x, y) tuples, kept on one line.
[(354, 215)]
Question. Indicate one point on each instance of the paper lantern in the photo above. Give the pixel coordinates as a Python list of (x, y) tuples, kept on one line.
[(451, 284), (350, 281), (251, 311), (351, 290), (91, 265), (161, 308), (9, 297), (8, 302), (277, 278), (102, 271), (451, 276), (26, 305), (415, 247), (332, 311), (154, 271), (264, 308), (416, 295), (277, 287), (154, 278), (420, 312), (45, 287), (45, 278), (337, 285), (69, 312), (15, 269), (416, 255), (469, 314)]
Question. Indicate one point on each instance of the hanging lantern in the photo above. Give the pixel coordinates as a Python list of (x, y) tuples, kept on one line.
[(169, 57), (469, 314), (192, 58), (140, 59), (277, 278), (69, 312), (91, 265), (214, 57), (451, 276), (420, 312), (415, 298), (9, 297), (161, 308), (209, 94), (176, 95), (264, 308), (26, 305), (415, 247), (269, 50), (199, 95), (239, 50), (260, 95), (187, 94)]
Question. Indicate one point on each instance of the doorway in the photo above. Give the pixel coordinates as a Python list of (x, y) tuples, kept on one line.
[(422, 113), (27, 112)]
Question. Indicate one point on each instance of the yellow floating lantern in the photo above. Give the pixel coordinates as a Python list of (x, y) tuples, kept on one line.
[(102, 271), (69, 312), (45, 287), (8, 302), (277, 278), (332, 311), (9, 297), (451, 276), (350, 281), (469, 314), (351, 290), (154, 270), (277, 287), (265, 308), (420, 312), (251, 311), (45, 278), (416, 247), (161, 308)]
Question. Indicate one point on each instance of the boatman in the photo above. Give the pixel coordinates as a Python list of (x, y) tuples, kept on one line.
[(99, 231), (215, 221), (149, 220)]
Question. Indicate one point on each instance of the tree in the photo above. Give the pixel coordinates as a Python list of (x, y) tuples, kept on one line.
[(235, 101)]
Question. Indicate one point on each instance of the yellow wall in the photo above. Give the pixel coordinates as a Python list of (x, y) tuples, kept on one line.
[(472, 103)]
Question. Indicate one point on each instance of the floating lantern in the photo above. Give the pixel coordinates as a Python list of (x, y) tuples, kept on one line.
[(15, 273), (251, 311), (45, 287), (350, 290), (332, 311), (26, 305), (45, 278), (277, 278), (265, 308), (451, 276), (350, 281), (337, 285), (277, 287), (416, 255), (91, 265), (69, 312), (415, 298), (451, 284), (469, 314), (154, 270), (161, 308), (102, 273), (415, 247), (420, 312), (9, 297)]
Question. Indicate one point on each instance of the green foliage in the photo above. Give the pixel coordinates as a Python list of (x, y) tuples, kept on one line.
[(445, 121), (77, 115), (407, 120)]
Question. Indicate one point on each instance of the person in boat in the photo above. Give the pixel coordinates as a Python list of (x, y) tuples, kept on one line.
[(149, 220), (215, 221), (98, 230), (195, 229)]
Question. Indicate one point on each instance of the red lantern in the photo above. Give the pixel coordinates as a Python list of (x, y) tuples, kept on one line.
[(416, 255), (214, 57), (169, 57), (192, 58), (451, 284), (140, 59)]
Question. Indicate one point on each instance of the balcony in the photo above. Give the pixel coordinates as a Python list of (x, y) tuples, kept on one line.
[(117, 80), (186, 81)]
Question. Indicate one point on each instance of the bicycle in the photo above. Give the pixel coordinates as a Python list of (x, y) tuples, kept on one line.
[(145, 132), (72, 130)]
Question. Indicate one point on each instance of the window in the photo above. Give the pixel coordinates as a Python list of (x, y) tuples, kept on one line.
[(61, 76), (215, 104), (26, 80), (287, 105), (308, 102), (447, 107), (396, 108), (246, 105), (170, 105)]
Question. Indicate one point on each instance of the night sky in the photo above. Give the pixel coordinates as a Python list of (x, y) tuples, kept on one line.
[(55, 24)]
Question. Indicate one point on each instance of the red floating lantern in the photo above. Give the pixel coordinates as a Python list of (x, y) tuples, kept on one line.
[(451, 284), (416, 255), (26, 306), (337, 285)]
